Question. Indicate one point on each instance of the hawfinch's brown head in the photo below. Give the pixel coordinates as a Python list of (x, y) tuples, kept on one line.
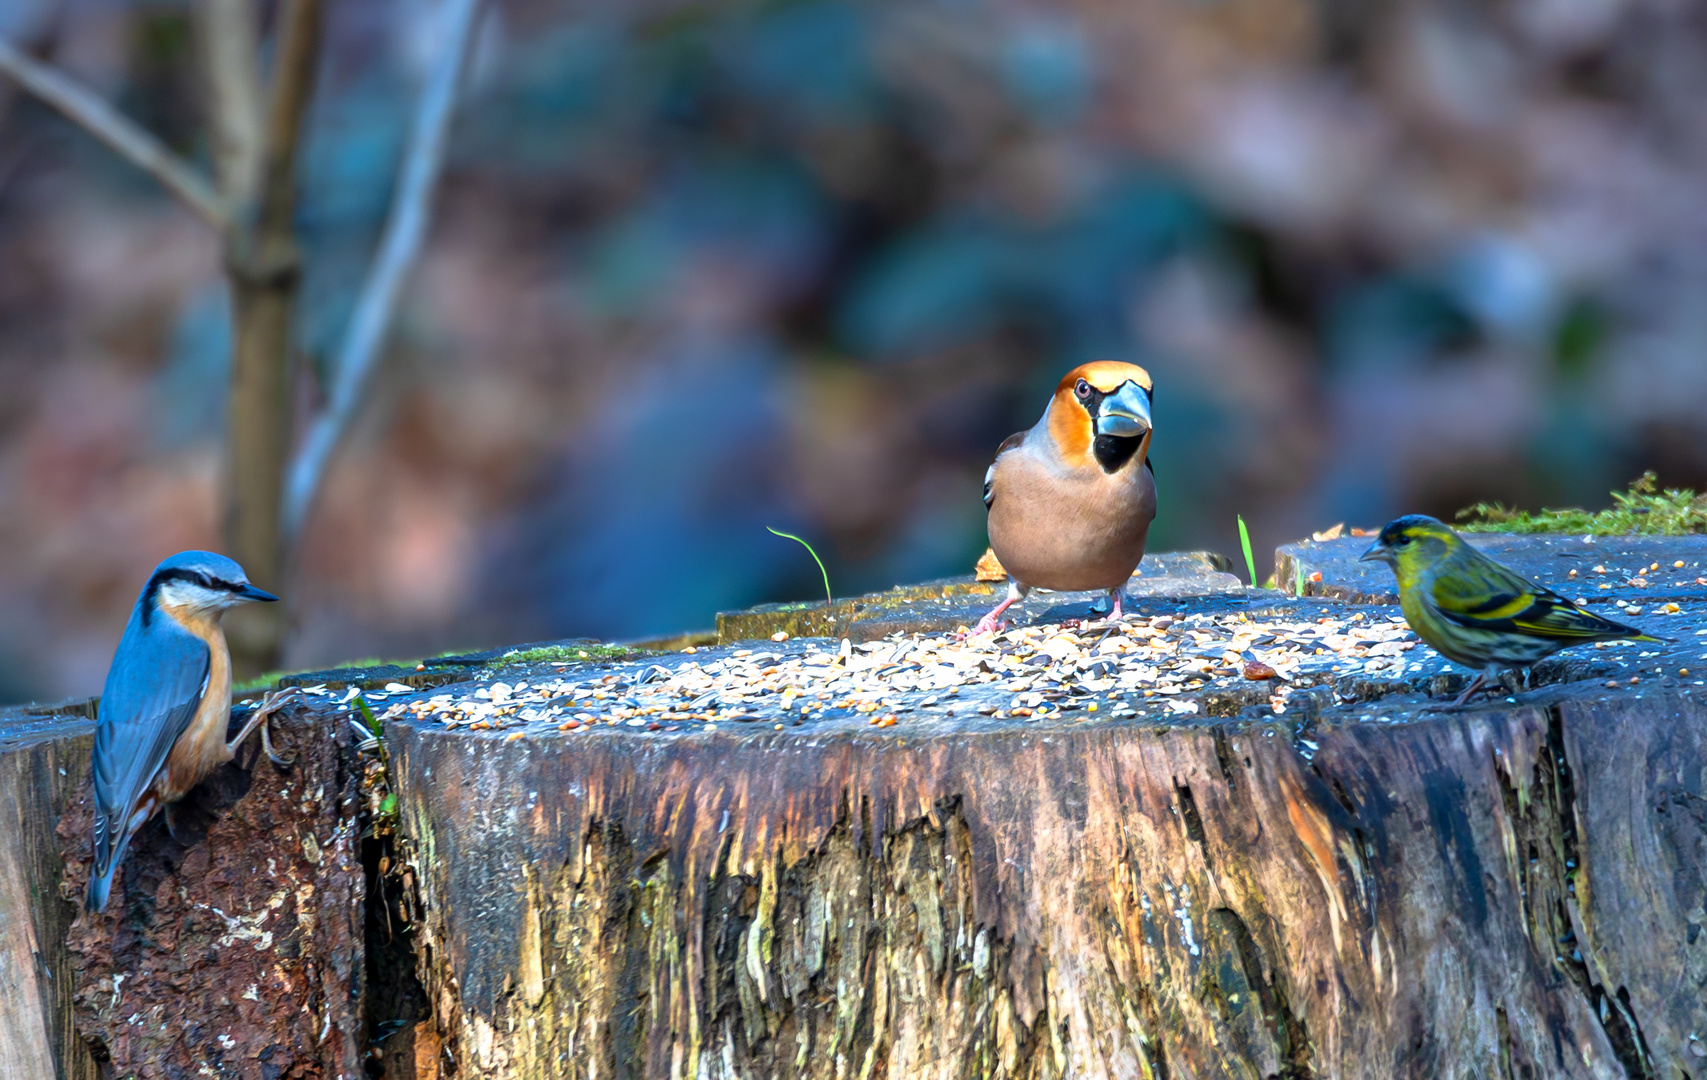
[(1101, 413)]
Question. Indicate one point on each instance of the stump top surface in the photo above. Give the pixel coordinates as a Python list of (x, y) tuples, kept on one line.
[(22, 726), (1179, 659), (1335, 662)]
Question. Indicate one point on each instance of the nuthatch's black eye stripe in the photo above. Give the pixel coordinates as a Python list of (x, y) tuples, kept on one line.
[(162, 578)]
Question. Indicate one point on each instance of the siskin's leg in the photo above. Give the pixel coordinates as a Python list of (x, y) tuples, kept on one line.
[(1475, 685), (1485, 679)]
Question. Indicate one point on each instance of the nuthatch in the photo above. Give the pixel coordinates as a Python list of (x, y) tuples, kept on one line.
[(163, 714)]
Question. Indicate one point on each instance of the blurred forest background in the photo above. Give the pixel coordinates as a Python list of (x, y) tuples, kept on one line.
[(698, 269)]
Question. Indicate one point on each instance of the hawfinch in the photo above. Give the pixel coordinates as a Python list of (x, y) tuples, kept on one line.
[(1070, 501)]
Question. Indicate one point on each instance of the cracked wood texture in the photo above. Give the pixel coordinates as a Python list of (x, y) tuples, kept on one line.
[(1509, 893), (233, 948), (42, 760)]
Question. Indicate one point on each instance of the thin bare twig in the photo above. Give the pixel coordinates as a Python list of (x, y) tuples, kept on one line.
[(129, 139), (405, 228)]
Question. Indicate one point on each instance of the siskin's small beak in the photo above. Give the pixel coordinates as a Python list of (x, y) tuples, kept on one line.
[(1124, 413), (1378, 552), (249, 592)]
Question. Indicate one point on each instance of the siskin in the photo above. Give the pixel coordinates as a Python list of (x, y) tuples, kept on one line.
[(1476, 612)]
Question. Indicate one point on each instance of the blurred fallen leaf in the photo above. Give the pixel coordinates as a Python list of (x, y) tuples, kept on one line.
[(1331, 534), (990, 568)]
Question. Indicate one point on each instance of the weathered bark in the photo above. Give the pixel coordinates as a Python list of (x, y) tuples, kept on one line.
[(1510, 892), (237, 945), (43, 758)]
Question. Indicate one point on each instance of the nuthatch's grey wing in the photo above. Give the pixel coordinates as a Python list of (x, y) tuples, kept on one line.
[(157, 679)]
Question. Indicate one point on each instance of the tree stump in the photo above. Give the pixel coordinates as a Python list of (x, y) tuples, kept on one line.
[(1225, 840)]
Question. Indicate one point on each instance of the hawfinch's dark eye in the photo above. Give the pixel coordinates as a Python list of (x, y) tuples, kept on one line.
[(1083, 389)]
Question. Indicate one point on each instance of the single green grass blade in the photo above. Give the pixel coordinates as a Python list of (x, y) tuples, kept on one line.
[(1245, 542), (828, 599), (367, 715)]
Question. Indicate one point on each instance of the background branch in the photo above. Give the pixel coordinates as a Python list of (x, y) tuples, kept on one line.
[(405, 228), (293, 84), (264, 266), (132, 142), (229, 43)]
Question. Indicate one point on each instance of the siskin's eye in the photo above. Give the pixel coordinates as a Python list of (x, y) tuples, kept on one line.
[(1404, 541), (1083, 389)]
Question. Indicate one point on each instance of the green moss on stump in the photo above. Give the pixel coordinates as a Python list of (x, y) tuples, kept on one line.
[(1644, 510), (589, 652)]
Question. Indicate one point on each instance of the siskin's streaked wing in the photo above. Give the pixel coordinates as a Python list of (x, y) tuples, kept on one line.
[(1558, 618), (1484, 595)]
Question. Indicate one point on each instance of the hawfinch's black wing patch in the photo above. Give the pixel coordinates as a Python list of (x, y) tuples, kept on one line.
[(1009, 443)]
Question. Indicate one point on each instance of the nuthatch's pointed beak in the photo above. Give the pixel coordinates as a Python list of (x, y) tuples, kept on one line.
[(1125, 413), (249, 592), (1378, 552)]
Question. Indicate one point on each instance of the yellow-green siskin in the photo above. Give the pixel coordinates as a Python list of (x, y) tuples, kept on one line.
[(1475, 611)]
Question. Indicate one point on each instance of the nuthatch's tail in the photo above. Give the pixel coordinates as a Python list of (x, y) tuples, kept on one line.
[(107, 855), (99, 886)]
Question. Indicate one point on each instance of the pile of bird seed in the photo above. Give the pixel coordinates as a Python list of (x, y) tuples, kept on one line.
[(1154, 667)]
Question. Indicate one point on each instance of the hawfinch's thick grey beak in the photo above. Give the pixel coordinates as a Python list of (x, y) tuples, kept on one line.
[(1124, 413), (249, 592)]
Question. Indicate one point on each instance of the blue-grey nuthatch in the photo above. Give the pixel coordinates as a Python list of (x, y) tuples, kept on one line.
[(163, 714)]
